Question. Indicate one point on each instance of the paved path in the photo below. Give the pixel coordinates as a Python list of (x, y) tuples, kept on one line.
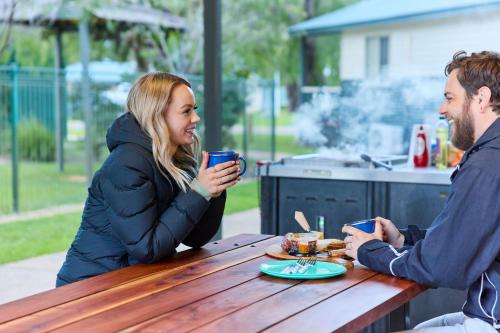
[(27, 277), (46, 212)]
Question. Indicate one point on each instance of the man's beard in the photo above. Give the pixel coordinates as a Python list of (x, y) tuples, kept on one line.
[(463, 134)]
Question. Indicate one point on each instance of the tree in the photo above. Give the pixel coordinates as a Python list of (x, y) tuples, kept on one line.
[(256, 40), (160, 47), (7, 10), (182, 51), (309, 47)]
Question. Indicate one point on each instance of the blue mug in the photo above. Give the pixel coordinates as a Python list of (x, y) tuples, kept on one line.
[(217, 157), (367, 226)]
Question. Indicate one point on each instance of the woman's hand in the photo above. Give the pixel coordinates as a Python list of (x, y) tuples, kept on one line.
[(358, 238), (391, 234), (219, 177)]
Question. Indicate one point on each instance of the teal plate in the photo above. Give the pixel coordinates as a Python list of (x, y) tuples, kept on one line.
[(321, 270)]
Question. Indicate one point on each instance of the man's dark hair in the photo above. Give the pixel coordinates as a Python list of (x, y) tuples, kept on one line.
[(478, 70)]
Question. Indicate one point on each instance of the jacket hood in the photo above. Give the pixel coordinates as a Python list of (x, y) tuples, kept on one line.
[(126, 129)]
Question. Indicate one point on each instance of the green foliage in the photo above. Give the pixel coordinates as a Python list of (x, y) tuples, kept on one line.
[(255, 38), (104, 112), (5, 140), (35, 47), (233, 105), (258, 41), (35, 141), (328, 46)]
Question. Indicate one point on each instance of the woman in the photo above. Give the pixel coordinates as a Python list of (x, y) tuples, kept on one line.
[(148, 196)]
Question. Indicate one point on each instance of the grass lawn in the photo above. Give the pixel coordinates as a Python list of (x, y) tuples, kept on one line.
[(32, 238), (41, 185), (284, 144), (242, 197), (285, 118), (25, 239)]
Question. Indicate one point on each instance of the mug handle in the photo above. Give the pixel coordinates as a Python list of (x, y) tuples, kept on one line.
[(244, 167)]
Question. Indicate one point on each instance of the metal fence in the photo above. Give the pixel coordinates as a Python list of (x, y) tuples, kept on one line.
[(31, 177)]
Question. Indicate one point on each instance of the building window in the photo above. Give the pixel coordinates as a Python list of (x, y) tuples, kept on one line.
[(377, 56)]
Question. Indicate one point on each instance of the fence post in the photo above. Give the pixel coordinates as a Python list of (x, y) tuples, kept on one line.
[(57, 99), (14, 121), (273, 115), (83, 29), (245, 128)]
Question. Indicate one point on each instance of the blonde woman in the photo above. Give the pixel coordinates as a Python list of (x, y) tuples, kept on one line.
[(149, 195)]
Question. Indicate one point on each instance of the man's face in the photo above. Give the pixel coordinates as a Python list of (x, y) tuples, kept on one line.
[(457, 109)]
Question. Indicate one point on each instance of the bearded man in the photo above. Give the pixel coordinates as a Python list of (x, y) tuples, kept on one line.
[(461, 248)]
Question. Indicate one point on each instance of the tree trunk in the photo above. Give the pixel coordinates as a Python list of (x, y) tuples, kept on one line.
[(5, 30), (308, 45), (293, 96)]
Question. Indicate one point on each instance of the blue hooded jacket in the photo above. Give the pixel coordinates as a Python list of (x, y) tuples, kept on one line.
[(461, 249), (133, 213)]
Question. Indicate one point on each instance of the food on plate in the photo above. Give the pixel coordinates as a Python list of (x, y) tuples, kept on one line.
[(300, 243), (336, 253), (319, 234), (286, 243), (310, 243), (325, 245)]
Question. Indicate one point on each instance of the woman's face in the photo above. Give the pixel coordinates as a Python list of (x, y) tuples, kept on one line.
[(181, 116)]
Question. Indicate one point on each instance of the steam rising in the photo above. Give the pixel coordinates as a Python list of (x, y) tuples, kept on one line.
[(374, 116)]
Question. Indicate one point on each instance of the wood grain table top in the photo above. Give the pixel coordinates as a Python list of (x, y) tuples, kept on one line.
[(216, 288)]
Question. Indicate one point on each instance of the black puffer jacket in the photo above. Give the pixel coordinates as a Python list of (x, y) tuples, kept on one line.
[(133, 214)]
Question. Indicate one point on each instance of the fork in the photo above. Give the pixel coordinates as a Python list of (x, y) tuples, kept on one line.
[(290, 269), (309, 263), (301, 264)]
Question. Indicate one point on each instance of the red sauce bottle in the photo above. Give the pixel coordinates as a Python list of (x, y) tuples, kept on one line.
[(421, 154)]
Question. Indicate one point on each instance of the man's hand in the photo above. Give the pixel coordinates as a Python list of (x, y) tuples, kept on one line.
[(391, 234), (219, 177), (358, 238)]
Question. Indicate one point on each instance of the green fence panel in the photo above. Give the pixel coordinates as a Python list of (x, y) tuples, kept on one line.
[(41, 185)]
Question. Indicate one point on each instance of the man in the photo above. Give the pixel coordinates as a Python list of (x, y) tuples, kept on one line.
[(461, 248)]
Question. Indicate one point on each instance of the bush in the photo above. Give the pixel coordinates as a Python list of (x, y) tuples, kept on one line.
[(104, 113), (5, 140), (233, 106), (36, 143)]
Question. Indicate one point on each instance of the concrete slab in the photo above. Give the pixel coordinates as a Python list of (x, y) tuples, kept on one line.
[(31, 276), (46, 212), (247, 222)]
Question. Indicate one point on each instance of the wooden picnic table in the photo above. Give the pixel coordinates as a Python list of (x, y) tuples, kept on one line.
[(216, 288)]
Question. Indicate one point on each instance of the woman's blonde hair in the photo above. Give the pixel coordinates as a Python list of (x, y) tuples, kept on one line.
[(148, 100)]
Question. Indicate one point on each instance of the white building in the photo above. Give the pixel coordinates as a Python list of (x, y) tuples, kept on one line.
[(392, 59), (400, 38)]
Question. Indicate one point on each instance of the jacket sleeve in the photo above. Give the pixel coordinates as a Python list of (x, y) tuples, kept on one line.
[(413, 234), (147, 234), (459, 246), (210, 222)]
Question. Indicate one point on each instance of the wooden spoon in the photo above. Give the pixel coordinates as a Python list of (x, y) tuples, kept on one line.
[(301, 219)]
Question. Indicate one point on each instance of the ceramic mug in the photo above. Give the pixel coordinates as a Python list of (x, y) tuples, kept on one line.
[(364, 225), (217, 157)]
